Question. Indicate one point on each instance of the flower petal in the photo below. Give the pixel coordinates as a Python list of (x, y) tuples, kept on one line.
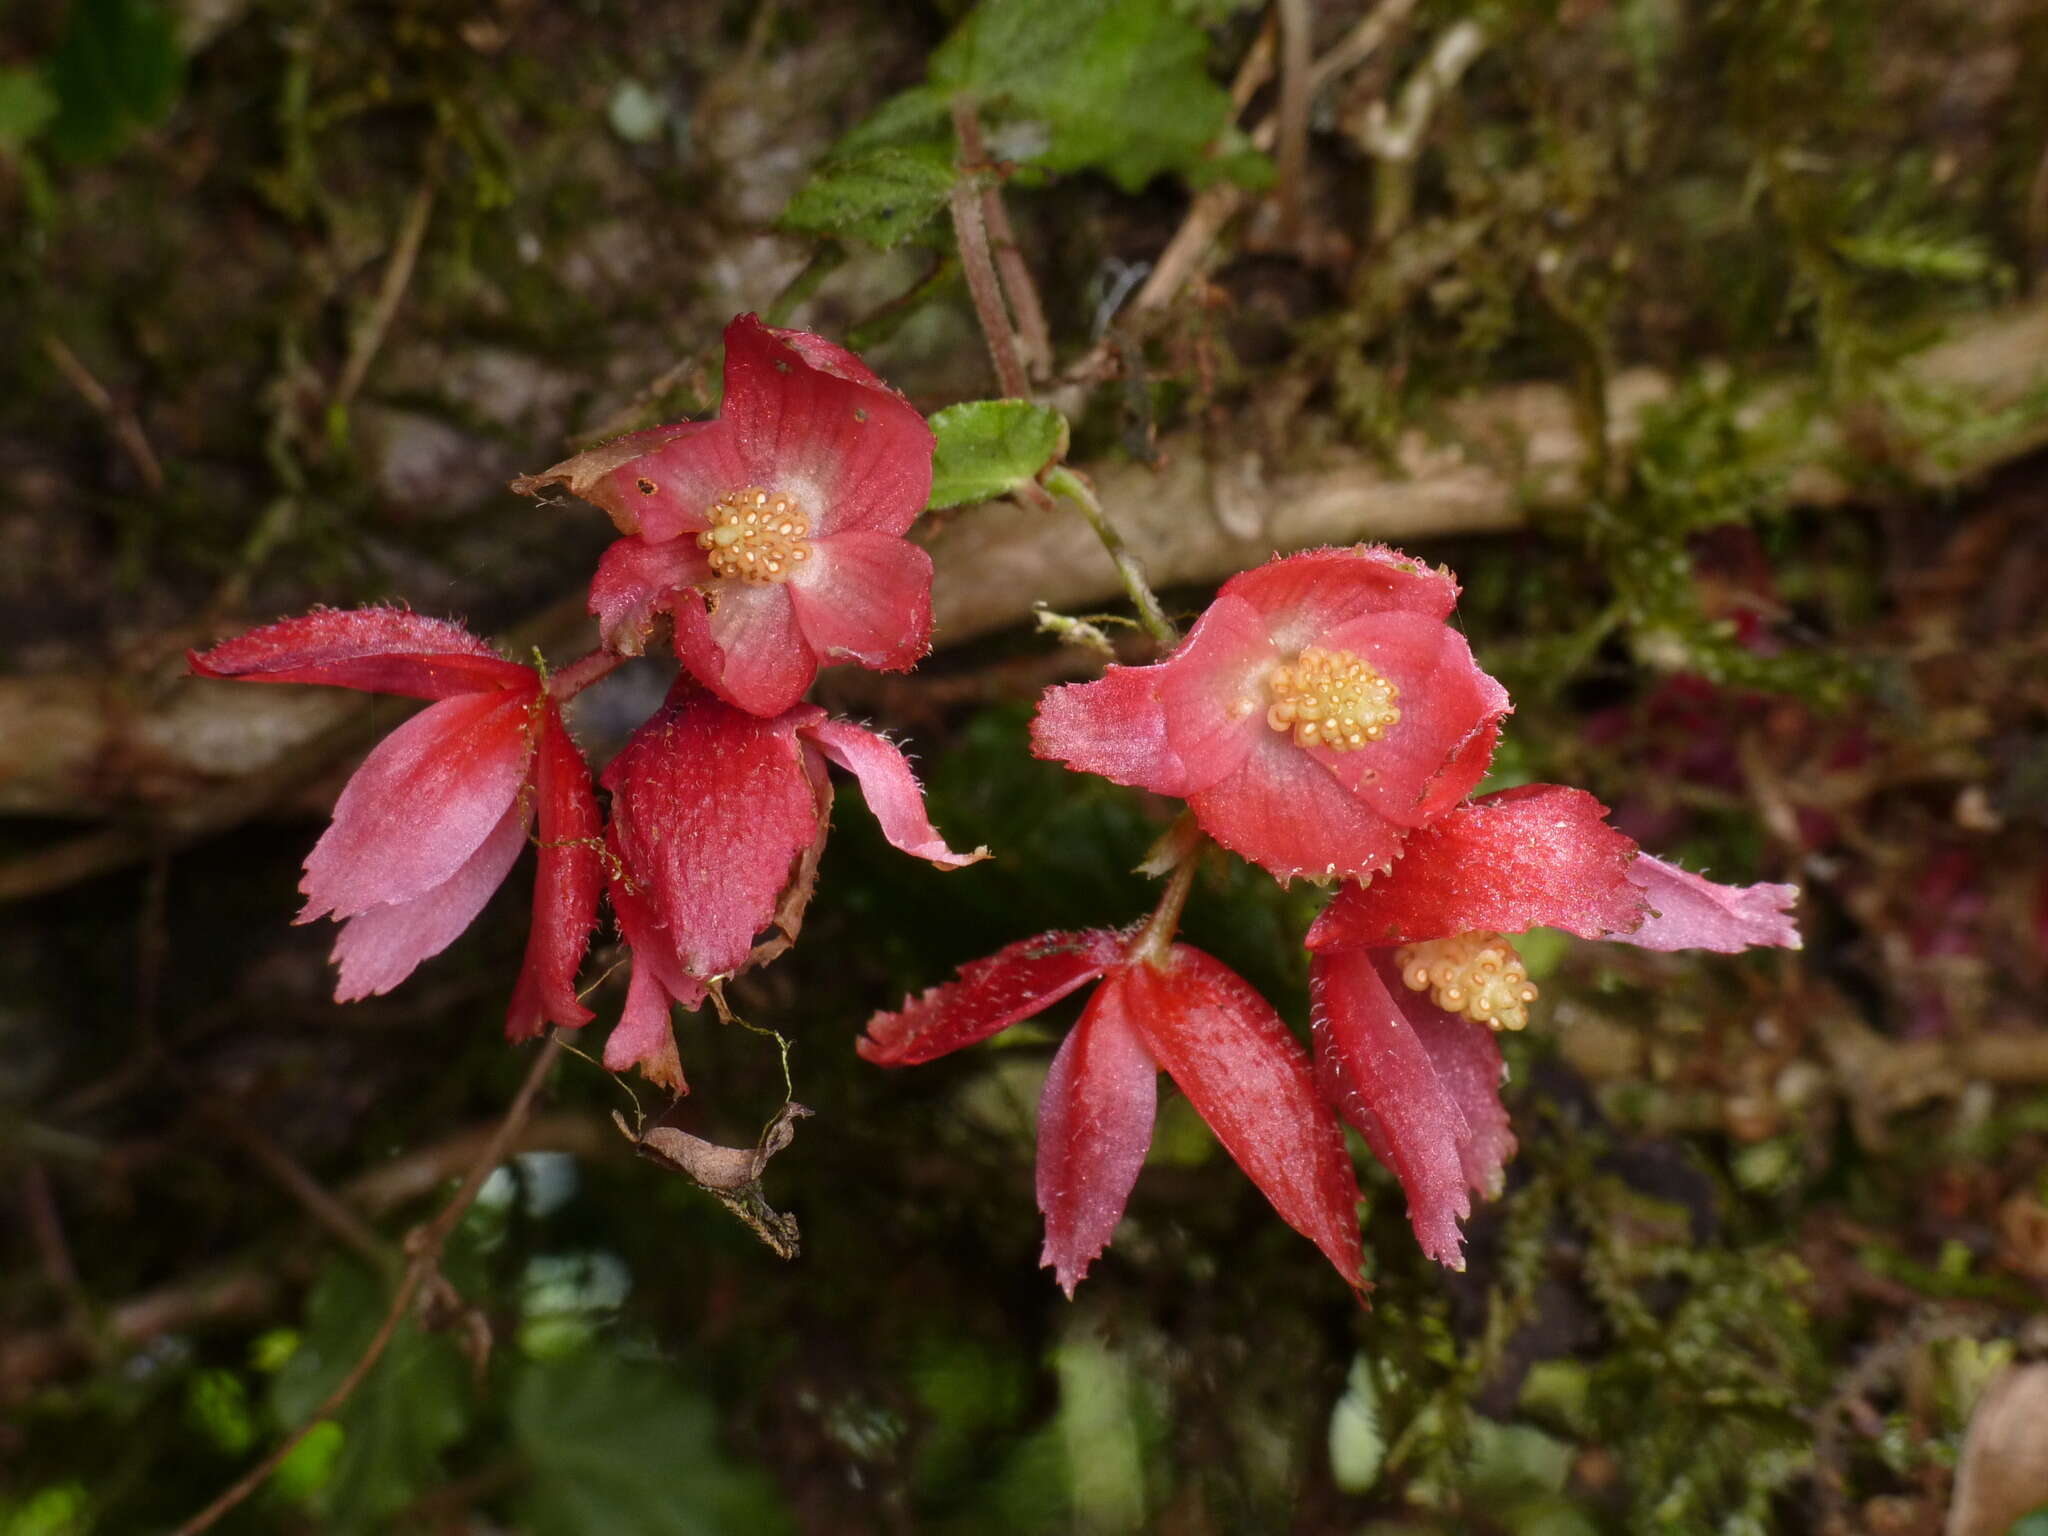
[(889, 788), (1283, 811), (865, 598), (1445, 701), (637, 580), (1250, 1080), (565, 886), (1113, 727), (747, 648), (423, 801), (1538, 856), (1094, 1126), (377, 650), (710, 808), (989, 996), (1213, 691), (378, 949), (659, 484), (1689, 911), (1374, 1067), (1303, 597), (1466, 1055), (855, 455)]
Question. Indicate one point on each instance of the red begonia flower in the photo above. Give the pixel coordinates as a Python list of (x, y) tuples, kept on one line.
[(712, 809), (1412, 974), (432, 822), (774, 534), (1319, 709), (1192, 1018)]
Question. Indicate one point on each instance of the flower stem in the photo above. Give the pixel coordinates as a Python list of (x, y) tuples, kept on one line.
[(1155, 940), (970, 228), (1062, 481), (566, 682)]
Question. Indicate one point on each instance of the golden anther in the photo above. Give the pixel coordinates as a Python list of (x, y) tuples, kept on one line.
[(1331, 699), (756, 535), (1478, 975)]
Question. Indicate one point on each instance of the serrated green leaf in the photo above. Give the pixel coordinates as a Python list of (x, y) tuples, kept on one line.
[(882, 196), (627, 1449), (26, 106), (413, 1406), (987, 448), (116, 69), (1122, 87)]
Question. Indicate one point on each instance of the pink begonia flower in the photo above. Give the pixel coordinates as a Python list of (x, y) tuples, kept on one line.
[(774, 534), (1192, 1018), (432, 822), (713, 813), (1412, 973), (1319, 710)]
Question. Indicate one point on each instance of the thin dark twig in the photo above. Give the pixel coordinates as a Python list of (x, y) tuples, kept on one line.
[(405, 255), (970, 227), (1296, 41), (425, 1248), (291, 1176), (126, 427), (1034, 336)]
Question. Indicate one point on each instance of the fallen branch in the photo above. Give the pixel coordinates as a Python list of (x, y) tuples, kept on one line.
[(76, 746)]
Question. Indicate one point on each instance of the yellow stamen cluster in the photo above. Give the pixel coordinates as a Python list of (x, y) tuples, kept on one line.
[(756, 535), (1331, 699), (1476, 974)]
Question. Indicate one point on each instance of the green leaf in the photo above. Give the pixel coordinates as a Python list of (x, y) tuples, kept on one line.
[(627, 1449), (882, 196), (413, 1406), (26, 105), (1122, 87), (987, 448), (116, 69)]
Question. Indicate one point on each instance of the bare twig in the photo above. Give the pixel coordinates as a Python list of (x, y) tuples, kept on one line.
[(1296, 42), (291, 1176), (1034, 336), (425, 1247), (977, 263), (122, 421), (405, 255), (46, 1226)]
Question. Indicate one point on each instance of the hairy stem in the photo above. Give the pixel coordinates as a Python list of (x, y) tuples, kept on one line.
[(970, 227), (1062, 481)]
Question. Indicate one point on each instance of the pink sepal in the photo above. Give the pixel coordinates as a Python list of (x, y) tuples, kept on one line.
[(865, 598), (1113, 727), (989, 995), (1251, 1081), (1689, 911), (1542, 855), (565, 888), (378, 948), (1305, 596), (375, 650), (810, 419), (710, 808), (1282, 810), (889, 788), (1375, 1068), (635, 582), (1445, 701), (1094, 1126), (748, 649), (422, 802)]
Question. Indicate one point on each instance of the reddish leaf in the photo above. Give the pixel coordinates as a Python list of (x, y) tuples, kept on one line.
[(1376, 1070), (376, 650), (1541, 855), (990, 995), (1251, 1081), (1094, 1126), (565, 889)]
